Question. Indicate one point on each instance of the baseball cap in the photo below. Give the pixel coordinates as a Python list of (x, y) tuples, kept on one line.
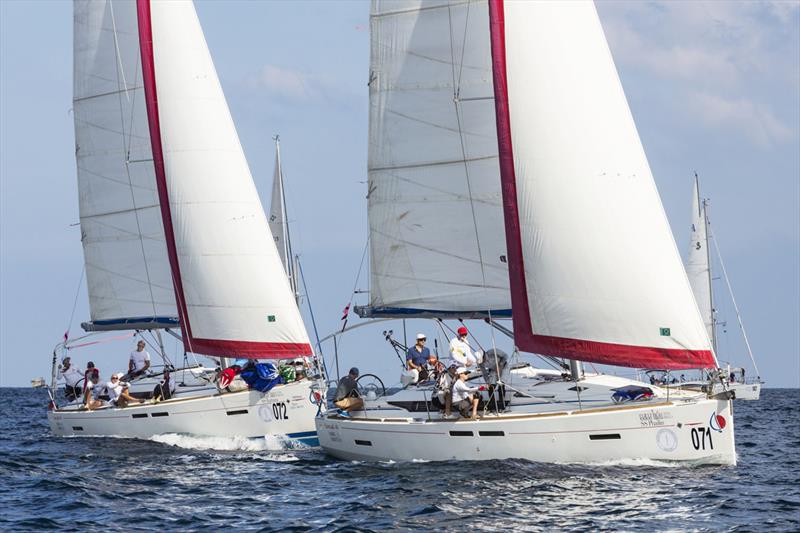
[(354, 371), (421, 336), (462, 330)]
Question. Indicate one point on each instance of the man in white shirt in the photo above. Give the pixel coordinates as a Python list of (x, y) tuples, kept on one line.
[(461, 352), (118, 392), (93, 390), (464, 396), (72, 377), (139, 361)]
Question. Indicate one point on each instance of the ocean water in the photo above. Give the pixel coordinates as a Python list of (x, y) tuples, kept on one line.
[(181, 483)]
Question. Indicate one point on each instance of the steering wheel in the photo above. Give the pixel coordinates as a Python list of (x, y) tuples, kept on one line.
[(370, 383)]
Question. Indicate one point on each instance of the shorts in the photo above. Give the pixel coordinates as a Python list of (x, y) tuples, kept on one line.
[(345, 403), (465, 406)]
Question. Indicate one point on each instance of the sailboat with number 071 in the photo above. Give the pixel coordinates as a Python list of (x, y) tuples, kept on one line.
[(507, 178)]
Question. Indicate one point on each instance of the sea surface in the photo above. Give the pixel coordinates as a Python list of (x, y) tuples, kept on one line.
[(179, 483)]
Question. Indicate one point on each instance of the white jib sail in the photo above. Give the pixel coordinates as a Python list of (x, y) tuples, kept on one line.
[(698, 267), (127, 270), (238, 300), (432, 160), (277, 213), (600, 261)]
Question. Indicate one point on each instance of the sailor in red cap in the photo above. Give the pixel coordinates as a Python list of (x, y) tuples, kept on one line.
[(461, 352)]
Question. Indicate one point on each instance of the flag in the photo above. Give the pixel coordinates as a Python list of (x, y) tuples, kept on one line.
[(346, 312)]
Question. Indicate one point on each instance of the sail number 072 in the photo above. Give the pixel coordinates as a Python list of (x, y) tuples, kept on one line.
[(279, 411), (699, 438)]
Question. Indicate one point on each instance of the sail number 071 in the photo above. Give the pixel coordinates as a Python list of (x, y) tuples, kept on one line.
[(699, 438)]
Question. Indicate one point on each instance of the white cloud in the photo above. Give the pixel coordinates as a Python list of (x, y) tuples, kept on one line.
[(755, 121), (732, 63), (282, 82)]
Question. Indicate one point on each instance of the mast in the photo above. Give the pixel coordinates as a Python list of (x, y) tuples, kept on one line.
[(705, 203)]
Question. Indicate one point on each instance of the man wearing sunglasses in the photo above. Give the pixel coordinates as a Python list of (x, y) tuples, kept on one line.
[(417, 355)]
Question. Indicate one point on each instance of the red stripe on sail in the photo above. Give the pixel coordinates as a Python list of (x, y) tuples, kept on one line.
[(251, 350), (617, 354), (524, 337), (151, 102), (508, 180)]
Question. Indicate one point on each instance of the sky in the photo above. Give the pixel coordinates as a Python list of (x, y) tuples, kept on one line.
[(714, 87)]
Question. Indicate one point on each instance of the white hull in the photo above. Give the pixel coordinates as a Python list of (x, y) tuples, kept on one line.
[(686, 431), (746, 391), (285, 411)]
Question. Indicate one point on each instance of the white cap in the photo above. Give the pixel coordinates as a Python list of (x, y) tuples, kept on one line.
[(421, 336), (118, 375), (462, 370)]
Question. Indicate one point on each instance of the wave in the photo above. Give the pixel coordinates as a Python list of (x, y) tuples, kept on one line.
[(268, 443)]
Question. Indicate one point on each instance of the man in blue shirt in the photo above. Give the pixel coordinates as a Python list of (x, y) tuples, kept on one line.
[(418, 354)]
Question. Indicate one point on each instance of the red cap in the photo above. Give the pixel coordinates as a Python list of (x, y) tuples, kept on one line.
[(462, 330)]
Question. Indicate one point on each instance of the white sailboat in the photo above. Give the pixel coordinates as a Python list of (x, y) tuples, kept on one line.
[(492, 118), (699, 271), (173, 231)]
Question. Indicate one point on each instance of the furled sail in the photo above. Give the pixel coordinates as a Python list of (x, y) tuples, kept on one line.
[(232, 291), (698, 264), (595, 273), (433, 175), (127, 270)]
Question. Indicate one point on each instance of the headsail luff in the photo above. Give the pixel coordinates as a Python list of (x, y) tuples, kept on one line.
[(127, 270), (594, 270), (234, 298), (432, 159), (698, 262)]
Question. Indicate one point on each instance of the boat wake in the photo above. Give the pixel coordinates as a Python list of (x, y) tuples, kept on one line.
[(269, 443)]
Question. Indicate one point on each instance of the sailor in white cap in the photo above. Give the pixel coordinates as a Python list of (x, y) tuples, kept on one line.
[(417, 355), (465, 396)]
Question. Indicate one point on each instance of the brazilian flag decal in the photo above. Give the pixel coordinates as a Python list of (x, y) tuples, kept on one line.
[(665, 332), (271, 318)]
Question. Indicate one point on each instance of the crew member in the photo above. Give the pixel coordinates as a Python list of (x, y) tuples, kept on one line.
[(461, 352)]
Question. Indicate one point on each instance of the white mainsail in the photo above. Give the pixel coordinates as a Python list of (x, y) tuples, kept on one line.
[(595, 273), (698, 263), (433, 174), (233, 294), (127, 270)]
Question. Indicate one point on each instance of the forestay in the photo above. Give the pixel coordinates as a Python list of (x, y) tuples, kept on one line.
[(595, 273), (432, 161), (127, 270), (698, 265), (233, 294)]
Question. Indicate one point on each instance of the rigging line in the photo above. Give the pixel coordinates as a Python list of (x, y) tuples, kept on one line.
[(353, 293), (311, 312), (735, 307), (116, 49), (126, 146), (75, 303), (456, 93)]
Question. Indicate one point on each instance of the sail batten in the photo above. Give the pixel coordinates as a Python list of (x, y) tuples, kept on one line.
[(594, 271)]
